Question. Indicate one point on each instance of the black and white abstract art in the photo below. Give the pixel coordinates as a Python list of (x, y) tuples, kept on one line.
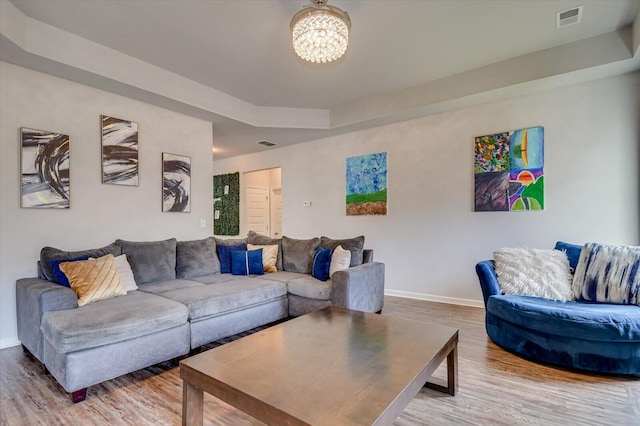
[(44, 169), (176, 183), (119, 151)]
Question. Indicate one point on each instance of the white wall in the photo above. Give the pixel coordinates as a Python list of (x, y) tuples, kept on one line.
[(99, 213), (431, 238)]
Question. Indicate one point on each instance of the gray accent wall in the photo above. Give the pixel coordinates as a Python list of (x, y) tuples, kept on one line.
[(99, 213)]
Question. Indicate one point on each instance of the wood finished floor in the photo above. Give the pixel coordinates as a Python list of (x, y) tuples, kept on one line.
[(496, 388)]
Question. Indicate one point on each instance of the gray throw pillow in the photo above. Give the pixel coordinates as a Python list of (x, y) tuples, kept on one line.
[(151, 260), (297, 255), (262, 240), (354, 245), (197, 258), (51, 253)]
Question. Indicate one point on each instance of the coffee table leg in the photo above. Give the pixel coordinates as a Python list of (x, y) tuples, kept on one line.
[(452, 371), (191, 405), (452, 374)]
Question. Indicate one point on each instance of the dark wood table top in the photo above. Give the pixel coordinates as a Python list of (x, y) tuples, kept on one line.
[(331, 367)]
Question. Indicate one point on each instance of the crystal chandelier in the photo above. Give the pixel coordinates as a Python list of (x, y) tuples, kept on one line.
[(320, 32)]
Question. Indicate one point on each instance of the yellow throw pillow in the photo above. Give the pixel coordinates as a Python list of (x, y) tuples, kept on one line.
[(269, 256), (94, 279)]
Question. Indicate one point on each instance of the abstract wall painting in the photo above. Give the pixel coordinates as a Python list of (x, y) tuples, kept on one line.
[(44, 169), (176, 183), (367, 185), (119, 151), (509, 171)]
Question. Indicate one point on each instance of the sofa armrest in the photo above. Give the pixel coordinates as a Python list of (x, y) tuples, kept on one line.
[(34, 297), (488, 279), (360, 288)]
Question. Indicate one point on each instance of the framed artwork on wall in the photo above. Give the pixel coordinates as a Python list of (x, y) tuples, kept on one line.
[(367, 184), (176, 183), (509, 171), (44, 169), (226, 204), (119, 151)]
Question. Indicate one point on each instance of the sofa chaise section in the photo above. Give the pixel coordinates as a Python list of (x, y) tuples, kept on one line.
[(105, 339), (228, 306)]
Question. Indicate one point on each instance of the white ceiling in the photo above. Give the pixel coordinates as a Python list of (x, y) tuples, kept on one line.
[(402, 53)]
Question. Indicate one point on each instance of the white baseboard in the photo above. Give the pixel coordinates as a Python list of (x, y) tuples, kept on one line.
[(9, 342), (434, 298)]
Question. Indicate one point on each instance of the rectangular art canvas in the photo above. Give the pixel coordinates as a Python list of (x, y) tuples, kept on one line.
[(44, 169), (176, 183), (509, 171), (119, 151), (367, 184)]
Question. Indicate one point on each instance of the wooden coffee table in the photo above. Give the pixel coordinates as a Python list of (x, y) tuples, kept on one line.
[(331, 367)]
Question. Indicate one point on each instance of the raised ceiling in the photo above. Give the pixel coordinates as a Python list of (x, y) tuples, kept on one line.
[(231, 61)]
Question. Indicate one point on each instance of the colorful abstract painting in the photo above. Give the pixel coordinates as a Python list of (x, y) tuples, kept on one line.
[(44, 169), (176, 183), (509, 169), (367, 185), (119, 151)]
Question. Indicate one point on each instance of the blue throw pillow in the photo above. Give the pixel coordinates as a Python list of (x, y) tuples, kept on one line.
[(60, 277), (247, 262), (572, 251), (321, 264), (224, 254)]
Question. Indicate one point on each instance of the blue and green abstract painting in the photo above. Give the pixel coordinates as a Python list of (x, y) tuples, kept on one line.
[(367, 184)]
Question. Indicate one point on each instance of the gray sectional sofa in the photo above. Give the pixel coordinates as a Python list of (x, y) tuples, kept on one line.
[(182, 302)]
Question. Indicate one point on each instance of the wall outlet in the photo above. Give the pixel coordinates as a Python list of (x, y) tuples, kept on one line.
[(203, 223)]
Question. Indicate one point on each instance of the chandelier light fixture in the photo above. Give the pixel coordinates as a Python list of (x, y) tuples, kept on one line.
[(320, 32)]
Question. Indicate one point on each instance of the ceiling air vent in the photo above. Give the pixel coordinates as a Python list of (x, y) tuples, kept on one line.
[(569, 17), (266, 143)]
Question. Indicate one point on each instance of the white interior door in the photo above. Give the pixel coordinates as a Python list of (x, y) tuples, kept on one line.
[(276, 213), (258, 210)]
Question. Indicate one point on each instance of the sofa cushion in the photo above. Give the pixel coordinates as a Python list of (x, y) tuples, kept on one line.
[(196, 258), (51, 253), (160, 287), (211, 300), (270, 255), (247, 262), (229, 241), (216, 278), (110, 321), (534, 272), (224, 254), (60, 276), (592, 321), (608, 274), (310, 288), (321, 264), (94, 279), (297, 255), (282, 276), (151, 260), (263, 240), (354, 245)]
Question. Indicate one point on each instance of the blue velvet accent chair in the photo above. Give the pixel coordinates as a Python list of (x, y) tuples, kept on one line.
[(599, 337)]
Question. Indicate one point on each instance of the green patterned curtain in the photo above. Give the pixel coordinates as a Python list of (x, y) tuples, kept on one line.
[(226, 204)]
